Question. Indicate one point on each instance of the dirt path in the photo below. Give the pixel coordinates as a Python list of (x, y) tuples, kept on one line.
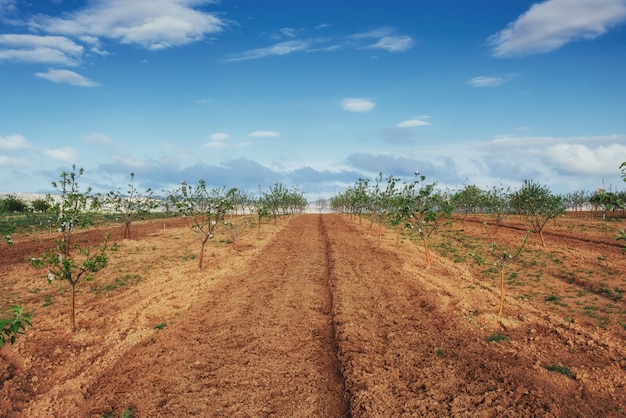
[(260, 343)]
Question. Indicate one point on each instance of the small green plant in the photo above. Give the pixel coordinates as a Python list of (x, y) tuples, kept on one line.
[(497, 336), (161, 325), (440, 353), (622, 237), (564, 370), (503, 257), (16, 325)]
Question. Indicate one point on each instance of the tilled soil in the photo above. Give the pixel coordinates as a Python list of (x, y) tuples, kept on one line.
[(313, 317)]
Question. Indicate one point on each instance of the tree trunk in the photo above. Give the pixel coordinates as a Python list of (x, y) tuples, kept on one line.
[(426, 250), (543, 242), (72, 307), (501, 292)]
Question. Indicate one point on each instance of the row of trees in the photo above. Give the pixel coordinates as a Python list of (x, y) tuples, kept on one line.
[(203, 209)]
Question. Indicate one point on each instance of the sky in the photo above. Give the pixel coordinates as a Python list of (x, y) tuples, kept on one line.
[(313, 94)]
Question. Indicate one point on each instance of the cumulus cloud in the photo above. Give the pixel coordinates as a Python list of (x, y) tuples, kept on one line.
[(357, 105), (411, 123), (13, 142), (553, 23), (486, 81), (579, 158), (264, 134), (67, 77), (219, 136)]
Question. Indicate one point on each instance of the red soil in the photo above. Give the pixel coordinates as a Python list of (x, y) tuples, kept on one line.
[(317, 317)]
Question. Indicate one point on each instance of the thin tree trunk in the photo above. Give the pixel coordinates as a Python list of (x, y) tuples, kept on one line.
[(72, 307), (501, 292)]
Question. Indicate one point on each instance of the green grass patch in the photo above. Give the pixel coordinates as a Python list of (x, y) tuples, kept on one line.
[(497, 336), (564, 370)]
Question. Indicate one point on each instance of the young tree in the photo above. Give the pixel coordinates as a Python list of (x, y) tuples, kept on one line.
[(67, 260), (40, 205), (321, 204), (202, 210), (423, 209), (538, 204), (132, 204), (468, 199), (381, 200), (12, 203), (503, 257)]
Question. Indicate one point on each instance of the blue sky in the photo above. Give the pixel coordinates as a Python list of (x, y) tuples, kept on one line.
[(245, 93)]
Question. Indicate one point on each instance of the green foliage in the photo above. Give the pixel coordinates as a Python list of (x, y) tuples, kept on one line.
[(564, 370), (41, 205), (202, 209), (160, 325), (8, 232), (623, 170), (12, 203), (10, 327), (469, 199), (622, 237), (497, 336), (538, 204)]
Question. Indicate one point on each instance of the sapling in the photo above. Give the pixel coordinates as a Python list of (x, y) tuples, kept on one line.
[(503, 257), (235, 228), (423, 209), (132, 204), (538, 204), (202, 210), (67, 260)]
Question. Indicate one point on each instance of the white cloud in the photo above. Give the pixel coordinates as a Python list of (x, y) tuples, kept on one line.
[(486, 81), (153, 24), (411, 123), (386, 40), (67, 77), (357, 105), (549, 25), (66, 154), (281, 48), (393, 43), (219, 136), (264, 134), (13, 142), (39, 49), (289, 32), (588, 160)]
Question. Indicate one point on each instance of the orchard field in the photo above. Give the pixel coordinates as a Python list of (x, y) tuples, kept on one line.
[(317, 315)]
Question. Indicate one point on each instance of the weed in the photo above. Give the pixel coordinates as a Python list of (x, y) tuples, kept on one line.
[(555, 299), (615, 294), (564, 370), (47, 300), (161, 325), (497, 336), (440, 353)]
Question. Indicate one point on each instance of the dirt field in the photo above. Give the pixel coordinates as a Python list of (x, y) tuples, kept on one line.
[(318, 317)]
